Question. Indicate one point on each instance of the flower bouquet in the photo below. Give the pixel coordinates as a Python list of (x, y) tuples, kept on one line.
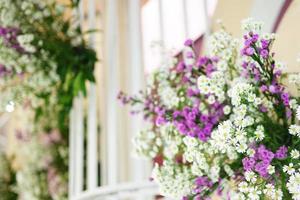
[(222, 125)]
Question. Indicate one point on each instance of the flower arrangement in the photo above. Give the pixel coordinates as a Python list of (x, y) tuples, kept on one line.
[(44, 64), (224, 124)]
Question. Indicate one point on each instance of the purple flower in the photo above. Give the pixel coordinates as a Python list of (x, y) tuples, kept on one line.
[(188, 42), (265, 155), (264, 53), (281, 153), (190, 92), (264, 43), (263, 109), (176, 114), (203, 118), (261, 168), (248, 42), (263, 88), (202, 61), (185, 79), (180, 67), (254, 37), (202, 136), (191, 116), (182, 128), (250, 51), (288, 113), (160, 120), (285, 97), (203, 181), (248, 163), (273, 89), (189, 54)]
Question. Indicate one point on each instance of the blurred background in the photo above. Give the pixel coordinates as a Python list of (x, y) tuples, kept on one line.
[(132, 39)]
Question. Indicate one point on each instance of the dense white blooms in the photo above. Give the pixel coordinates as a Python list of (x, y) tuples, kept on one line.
[(293, 185), (294, 130), (226, 110), (174, 181), (259, 133), (289, 169), (169, 96), (146, 144), (188, 56), (295, 154), (294, 78), (271, 169), (223, 45), (251, 25), (243, 91), (293, 104), (213, 85), (298, 113), (171, 139)]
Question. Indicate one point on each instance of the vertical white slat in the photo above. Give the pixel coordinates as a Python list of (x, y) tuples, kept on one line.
[(135, 78), (111, 51), (72, 135), (161, 22), (79, 128), (206, 17), (92, 139), (269, 15), (79, 143), (80, 12), (71, 154), (185, 19)]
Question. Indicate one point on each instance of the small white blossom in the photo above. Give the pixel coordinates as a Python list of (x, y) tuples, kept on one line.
[(294, 130), (289, 169), (295, 154), (271, 169)]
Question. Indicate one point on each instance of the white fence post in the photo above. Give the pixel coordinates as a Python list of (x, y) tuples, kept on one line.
[(71, 154), (79, 141), (111, 51), (92, 139)]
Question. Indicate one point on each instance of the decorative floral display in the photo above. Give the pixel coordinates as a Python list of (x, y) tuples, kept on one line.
[(44, 64), (224, 124)]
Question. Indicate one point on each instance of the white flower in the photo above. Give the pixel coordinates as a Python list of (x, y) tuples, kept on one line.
[(228, 170), (254, 193), (298, 113), (172, 180), (250, 176), (295, 154), (271, 169), (251, 25), (269, 190), (293, 104), (211, 99), (294, 78), (293, 185), (168, 96), (294, 129), (251, 152), (226, 110), (243, 187), (259, 133), (289, 169)]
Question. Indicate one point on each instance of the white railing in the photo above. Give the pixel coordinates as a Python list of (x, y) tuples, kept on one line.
[(84, 175), (139, 190)]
